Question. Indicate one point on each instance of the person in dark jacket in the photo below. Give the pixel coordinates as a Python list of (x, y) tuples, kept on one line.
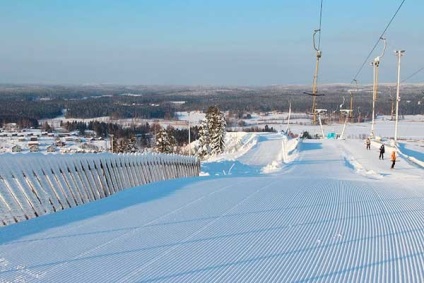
[(382, 150)]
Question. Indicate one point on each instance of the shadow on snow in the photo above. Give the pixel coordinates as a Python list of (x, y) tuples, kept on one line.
[(118, 201), (310, 145)]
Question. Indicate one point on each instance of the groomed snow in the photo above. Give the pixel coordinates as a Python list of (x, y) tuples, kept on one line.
[(275, 210)]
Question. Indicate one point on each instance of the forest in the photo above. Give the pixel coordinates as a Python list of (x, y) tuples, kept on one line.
[(26, 104)]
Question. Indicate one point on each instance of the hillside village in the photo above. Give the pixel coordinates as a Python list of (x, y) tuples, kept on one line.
[(15, 140)]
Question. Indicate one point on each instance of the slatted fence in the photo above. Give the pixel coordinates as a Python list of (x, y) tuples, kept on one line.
[(32, 185)]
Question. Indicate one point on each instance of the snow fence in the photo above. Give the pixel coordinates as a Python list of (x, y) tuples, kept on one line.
[(32, 185)]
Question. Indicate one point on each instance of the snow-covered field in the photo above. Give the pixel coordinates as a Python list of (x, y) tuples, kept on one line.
[(270, 209)]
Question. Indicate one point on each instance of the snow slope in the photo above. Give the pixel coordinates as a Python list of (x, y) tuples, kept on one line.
[(335, 213)]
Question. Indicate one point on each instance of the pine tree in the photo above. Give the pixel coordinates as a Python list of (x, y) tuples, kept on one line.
[(171, 137), (46, 127), (203, 146), (223, 131), (212, 133), (162, 142), (216, 126)]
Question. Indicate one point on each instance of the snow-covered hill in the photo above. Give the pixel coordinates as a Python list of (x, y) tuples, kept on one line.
[(329, 211)]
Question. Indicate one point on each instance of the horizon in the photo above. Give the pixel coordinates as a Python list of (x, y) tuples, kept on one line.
[(2, 84)]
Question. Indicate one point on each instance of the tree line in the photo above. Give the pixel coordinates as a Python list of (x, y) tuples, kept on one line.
[(25, 104)]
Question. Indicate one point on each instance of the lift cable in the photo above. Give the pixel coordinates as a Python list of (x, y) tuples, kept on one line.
[(412, 75), (379, 38)]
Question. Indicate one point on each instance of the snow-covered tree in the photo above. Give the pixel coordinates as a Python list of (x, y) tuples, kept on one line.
[(125, 145), (164, 141), (212, 133), (203, 142), (217, 125), (46, 127), (171, 136)]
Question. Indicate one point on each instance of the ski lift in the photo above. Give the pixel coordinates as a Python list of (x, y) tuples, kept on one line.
[(314, 92)]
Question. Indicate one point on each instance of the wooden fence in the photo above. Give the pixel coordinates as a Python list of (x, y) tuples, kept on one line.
[(32, 185)]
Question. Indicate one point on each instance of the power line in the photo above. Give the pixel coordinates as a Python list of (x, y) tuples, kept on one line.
[(375, 45), (412, 75)]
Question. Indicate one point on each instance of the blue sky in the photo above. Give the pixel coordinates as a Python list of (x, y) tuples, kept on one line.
[(204, 42)]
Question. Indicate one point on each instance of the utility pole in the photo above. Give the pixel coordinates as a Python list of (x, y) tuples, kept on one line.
[(399, 54), (320, 124), (359, 114), (189, 135), (351, 115), (375, 64), (392, 101), (288, 119), (347, 114), (111, 142), (315, 80), (351, 104)]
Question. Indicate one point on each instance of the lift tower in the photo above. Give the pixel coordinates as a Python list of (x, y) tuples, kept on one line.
[(314, 93), (375, 64)]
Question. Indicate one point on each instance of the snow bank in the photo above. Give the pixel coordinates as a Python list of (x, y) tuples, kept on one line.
[(352, 163), (236, 145), (251, 153), (287, 154), (413, 153)]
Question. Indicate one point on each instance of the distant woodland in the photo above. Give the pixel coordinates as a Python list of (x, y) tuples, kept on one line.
[(26, 104)]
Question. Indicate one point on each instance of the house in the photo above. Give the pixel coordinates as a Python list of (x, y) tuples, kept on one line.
[(59, 142), (33, 148), (16, 148), (33, 141), (11, 127), (89, 147), (51, 148)]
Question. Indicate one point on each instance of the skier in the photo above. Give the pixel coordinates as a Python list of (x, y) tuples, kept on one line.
[(368, 143), (393, 159), (382, 150)]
